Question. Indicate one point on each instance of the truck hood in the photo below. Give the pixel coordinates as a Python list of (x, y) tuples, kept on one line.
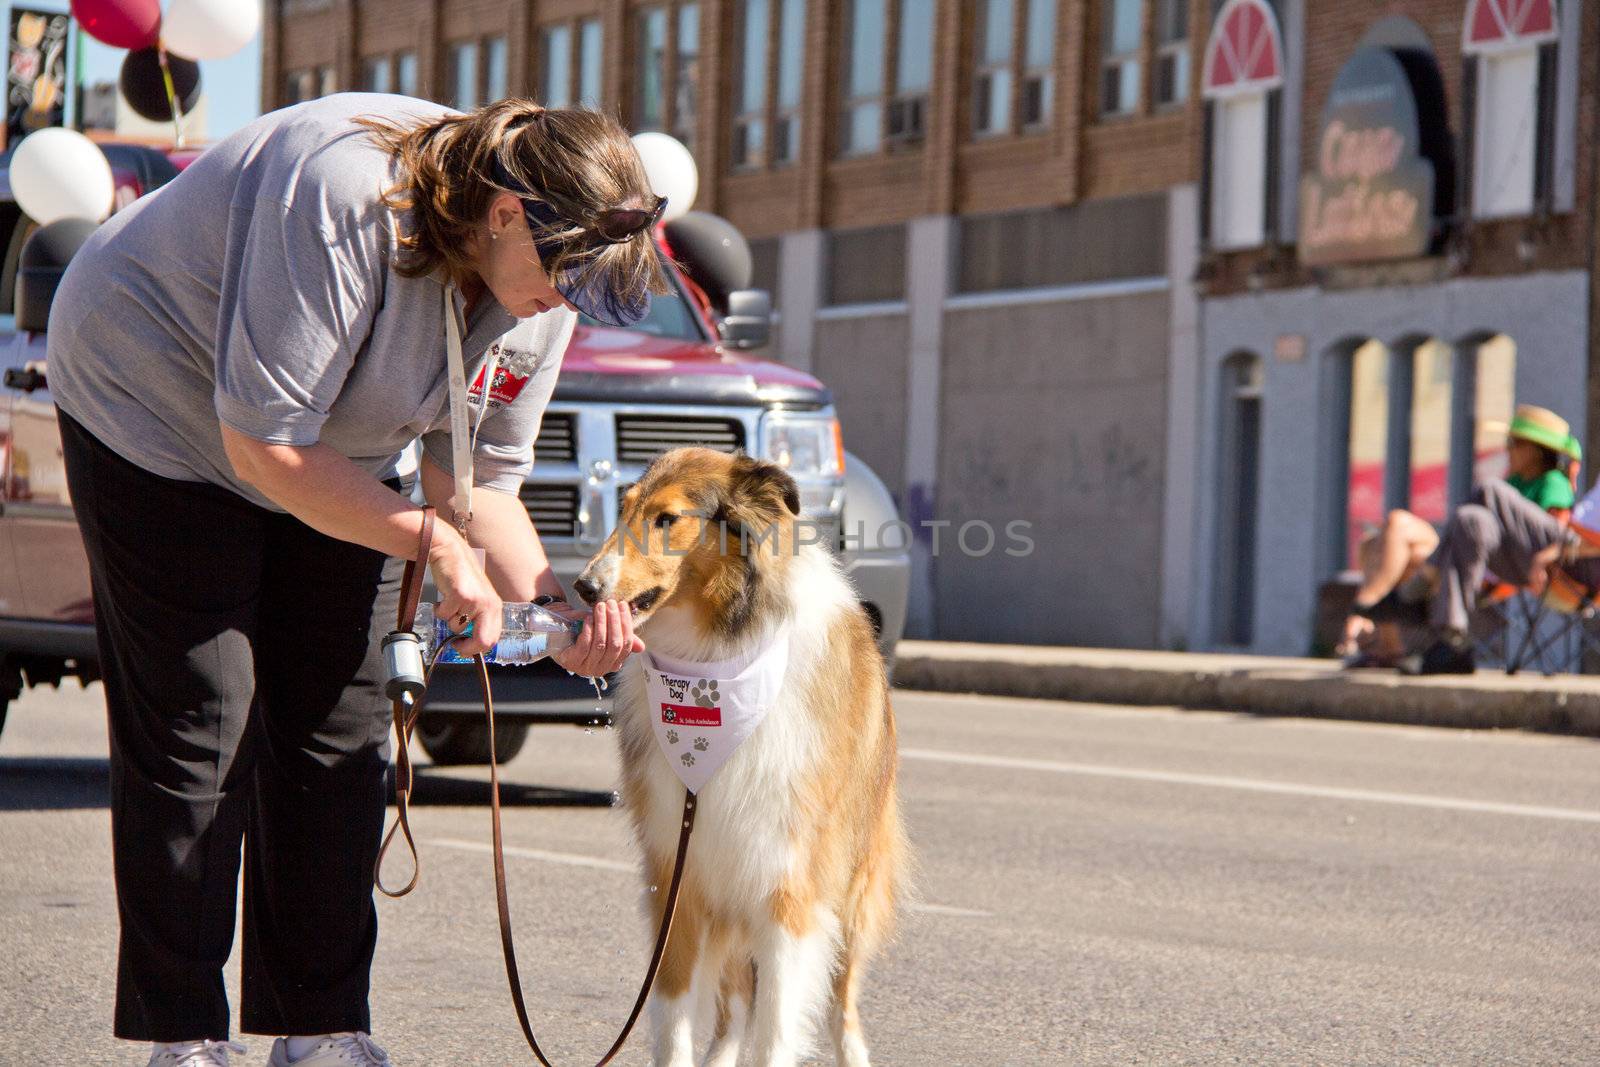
[(625, 366)]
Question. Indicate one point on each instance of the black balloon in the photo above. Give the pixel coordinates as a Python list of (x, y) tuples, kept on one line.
[(146, 92), (713, 251)]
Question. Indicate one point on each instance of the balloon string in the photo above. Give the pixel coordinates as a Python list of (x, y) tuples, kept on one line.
[(172, 97)]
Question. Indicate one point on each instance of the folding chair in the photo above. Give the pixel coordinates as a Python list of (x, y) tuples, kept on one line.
[(1560, 628)]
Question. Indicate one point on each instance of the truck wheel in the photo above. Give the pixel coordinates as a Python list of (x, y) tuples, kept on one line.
[(455, 740)]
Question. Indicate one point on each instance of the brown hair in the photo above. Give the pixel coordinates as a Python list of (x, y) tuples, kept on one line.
[(580, 162)]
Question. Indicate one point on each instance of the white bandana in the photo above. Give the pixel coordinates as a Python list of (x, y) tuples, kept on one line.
[(702, 712)]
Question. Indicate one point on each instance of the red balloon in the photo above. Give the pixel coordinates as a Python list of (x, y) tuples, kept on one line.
[(120, 23)]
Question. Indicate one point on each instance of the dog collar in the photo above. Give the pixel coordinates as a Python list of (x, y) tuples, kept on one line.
[(702, 712)]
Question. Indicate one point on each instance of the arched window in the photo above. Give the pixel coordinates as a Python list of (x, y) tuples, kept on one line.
[(1367, 491), (1243, 71), (1511, 47)]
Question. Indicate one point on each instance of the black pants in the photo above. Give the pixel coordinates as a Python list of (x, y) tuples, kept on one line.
[(242, 676)]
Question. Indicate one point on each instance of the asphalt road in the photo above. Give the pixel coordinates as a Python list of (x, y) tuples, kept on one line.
[(1099, 886)]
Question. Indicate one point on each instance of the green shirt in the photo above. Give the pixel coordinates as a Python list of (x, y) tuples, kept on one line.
[(1551, 490)]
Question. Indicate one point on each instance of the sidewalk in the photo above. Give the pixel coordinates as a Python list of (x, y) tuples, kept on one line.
[(1262, 685)]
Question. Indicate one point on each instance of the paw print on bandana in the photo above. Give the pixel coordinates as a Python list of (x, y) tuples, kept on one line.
[(672, 737), (704, 694), (701, 744), (688, 759)]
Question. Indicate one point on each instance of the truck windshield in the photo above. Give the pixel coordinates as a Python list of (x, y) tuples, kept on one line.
[(670, 316)]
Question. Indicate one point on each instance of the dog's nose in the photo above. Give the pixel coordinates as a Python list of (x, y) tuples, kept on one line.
[(587, 588)]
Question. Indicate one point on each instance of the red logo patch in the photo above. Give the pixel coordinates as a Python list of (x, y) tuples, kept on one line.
[(685, 715), (506, 386)]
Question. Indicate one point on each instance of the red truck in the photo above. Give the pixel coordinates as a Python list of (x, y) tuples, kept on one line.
[(683, 376)]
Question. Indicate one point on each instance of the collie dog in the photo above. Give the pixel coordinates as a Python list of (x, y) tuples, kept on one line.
[(798, 853)]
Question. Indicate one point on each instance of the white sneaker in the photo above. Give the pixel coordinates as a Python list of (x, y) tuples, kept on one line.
[(352, 1049), (194, 1054)]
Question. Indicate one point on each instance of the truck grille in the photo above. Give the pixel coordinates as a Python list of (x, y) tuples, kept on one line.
[(641, 438), (553, 508), (557, 441)]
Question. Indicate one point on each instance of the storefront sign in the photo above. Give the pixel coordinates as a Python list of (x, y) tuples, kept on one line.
[(1371, 195), (36, 78)]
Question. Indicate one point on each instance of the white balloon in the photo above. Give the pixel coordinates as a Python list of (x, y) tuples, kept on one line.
[(671, 170), (58, 173), (210, 29)]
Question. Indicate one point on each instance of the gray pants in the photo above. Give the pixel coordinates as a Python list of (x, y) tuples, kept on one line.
[(1499, 530)]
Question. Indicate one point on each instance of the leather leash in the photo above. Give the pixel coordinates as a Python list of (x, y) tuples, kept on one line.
[(404, 721)]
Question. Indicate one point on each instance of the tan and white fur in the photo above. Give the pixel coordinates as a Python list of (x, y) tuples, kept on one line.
[(798, 851)]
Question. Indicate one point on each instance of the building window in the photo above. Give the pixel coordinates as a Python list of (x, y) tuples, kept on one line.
[(752, 147), (1493, 403), (686, 74), (1172, 52), (327, 80), (376, 74), (997, 66), (1243, 70), (1121, 28), (463, 95), (405, 73), (862, 127), (589, 58), (667, 54), (791, 60), (569, 62), (750, 123), (991, 75), (299, 85), (555, 56), (1039, 64), (885, 106), (650, 74), (494, 69), (1428, 473), (1366, 491), (1511, 67), (913, 76)]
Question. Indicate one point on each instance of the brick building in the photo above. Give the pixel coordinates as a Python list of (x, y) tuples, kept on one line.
[(1398, 233), (979, 222)]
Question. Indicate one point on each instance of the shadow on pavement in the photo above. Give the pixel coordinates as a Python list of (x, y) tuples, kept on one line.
[(434, 788), (45, 783)]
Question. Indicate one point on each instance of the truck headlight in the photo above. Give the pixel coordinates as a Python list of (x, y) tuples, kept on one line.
[(811, 448), (807, 446)]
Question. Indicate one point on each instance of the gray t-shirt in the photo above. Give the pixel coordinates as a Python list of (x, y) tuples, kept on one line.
[(258, 288)]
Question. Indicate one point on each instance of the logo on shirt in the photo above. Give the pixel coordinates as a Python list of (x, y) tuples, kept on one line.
[(512, 371)]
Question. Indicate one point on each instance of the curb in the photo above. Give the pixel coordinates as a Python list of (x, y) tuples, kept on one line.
[(1257, 685)]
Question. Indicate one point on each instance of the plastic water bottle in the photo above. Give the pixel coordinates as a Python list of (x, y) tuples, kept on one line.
[(528, 633)]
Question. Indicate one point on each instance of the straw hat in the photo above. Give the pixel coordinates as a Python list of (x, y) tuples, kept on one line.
[(1544, 428)]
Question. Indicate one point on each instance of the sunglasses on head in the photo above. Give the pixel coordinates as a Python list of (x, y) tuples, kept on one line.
[(614, 225)]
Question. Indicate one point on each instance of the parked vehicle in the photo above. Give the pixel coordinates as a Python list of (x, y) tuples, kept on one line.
[(682, 376)]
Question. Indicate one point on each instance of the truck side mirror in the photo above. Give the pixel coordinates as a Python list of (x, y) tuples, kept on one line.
[(748, 323), (43, 261)]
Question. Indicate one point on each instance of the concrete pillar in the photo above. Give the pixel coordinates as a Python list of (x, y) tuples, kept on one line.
[(800, 281), (1186, 408), (930, 244)]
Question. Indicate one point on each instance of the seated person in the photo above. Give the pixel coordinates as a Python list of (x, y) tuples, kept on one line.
[(1502, 531), (1538, 441)]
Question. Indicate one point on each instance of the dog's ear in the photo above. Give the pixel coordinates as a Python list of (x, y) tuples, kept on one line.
[(763, 488)]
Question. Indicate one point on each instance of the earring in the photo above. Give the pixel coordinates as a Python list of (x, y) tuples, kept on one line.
[(494, 235)]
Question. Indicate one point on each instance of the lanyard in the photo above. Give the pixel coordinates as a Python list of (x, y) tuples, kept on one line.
[(463, 437)]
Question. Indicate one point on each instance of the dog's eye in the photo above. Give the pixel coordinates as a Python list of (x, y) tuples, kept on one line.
[(666, 519)]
